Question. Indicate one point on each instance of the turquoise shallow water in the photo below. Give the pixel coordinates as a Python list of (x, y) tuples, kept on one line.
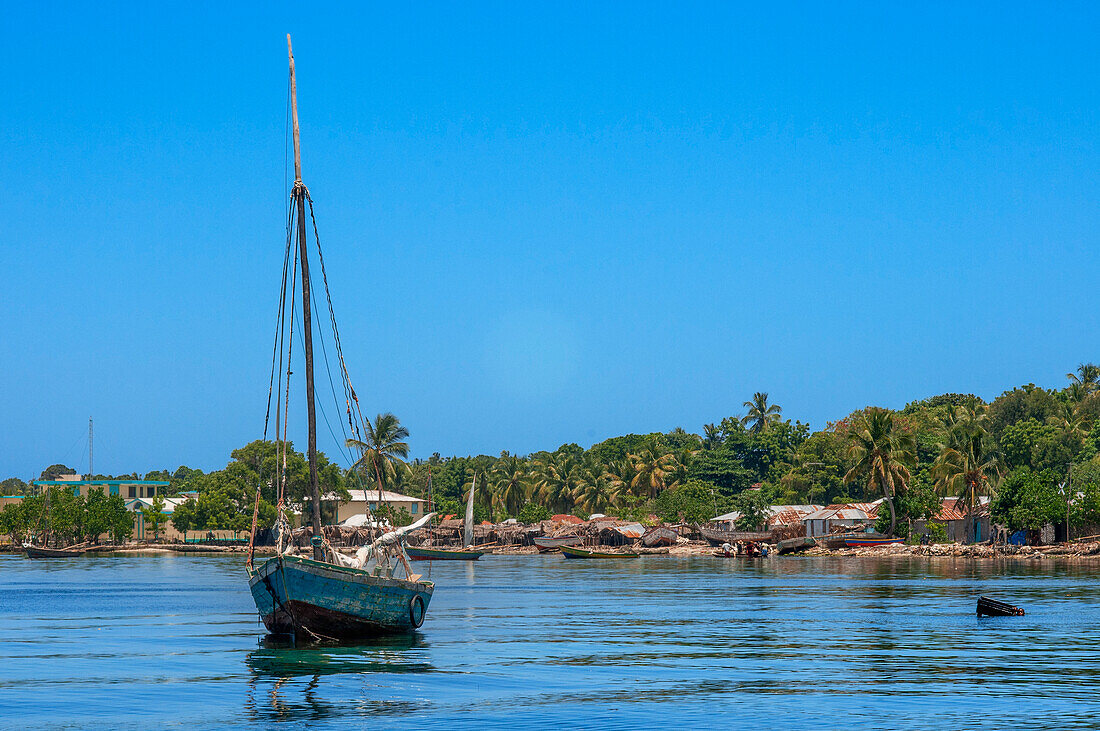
[(173, 641)]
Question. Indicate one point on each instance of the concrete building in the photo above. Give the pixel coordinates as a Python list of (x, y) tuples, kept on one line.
[(168, 531), (361, 499), (127, 489)]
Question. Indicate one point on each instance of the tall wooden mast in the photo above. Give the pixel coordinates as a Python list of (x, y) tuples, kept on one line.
[(299, 195)]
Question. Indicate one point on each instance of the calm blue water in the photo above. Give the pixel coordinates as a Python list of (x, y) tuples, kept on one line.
[(173, 641)]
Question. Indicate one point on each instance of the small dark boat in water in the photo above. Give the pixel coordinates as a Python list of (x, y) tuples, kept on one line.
[(574, 552), (33, 551), (992, 608), (443, 554)]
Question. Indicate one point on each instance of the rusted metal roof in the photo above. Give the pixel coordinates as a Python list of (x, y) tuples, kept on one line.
[(562, 518), (630, 530), (846, 511), (790, 514)]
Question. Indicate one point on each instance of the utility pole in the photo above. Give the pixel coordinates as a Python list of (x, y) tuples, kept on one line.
[(1069, 494), (91, 472)]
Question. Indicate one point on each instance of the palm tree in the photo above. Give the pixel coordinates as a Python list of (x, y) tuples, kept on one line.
[(1087, 375), (653, 467), (712, 436), (598, 492), (621, 475), (557, 477), (761, 414), (384, 450), (1071, 419), (510, 477), (882, 452), (969, 463)]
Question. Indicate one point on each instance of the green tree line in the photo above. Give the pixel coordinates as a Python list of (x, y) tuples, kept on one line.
[(1023, 449)]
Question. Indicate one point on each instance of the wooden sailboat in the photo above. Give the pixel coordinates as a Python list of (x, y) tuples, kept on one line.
[(574, 552), (469, 552), (34, 551), (330, 596)]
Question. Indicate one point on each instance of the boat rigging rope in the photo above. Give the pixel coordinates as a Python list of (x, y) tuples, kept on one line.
[(276, 372)]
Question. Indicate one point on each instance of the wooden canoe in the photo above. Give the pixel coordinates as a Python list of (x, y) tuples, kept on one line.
[(442, 554), (718, 537), (574, 552), (660, 536), (794, 545), (857, 541), (43, 552), (549, 545)]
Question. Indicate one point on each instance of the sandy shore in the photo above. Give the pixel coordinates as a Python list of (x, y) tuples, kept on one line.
[(1075, 551)]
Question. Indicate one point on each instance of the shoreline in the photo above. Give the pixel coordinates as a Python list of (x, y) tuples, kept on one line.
[(1063, 551)]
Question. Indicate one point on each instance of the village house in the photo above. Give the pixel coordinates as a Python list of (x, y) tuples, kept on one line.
[(855, 517), (362, 499)]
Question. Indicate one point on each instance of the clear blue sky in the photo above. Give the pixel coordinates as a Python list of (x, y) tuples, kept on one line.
[(543, 223)]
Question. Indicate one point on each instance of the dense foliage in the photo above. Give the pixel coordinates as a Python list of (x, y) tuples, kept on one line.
[(1021, 448)]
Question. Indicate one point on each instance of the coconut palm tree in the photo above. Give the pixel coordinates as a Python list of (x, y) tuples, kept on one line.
[(622, 474), (557, 477), (882, 452), (510, 478), (969, 464), (383, 451), (761, 414), (712, 436), (1087, 375), (598, 492), (653, 467)]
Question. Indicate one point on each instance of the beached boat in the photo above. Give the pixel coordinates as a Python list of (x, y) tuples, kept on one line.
[(329, 596), (33, 551), (574, 552), (870, 540), (794, 545), (660, 536), (546, 544), (442, 554), (717, 537)]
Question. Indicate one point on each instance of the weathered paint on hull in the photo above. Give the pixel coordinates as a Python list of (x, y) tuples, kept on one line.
[(549, 545), (438, 554), (40, 552), (571, 552), (855, 542), (294, 594)]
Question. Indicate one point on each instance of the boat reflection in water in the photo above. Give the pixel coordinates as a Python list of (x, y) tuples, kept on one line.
[(289, 683)]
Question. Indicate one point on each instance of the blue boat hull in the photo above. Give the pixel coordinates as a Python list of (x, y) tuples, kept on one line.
[(296, 595)]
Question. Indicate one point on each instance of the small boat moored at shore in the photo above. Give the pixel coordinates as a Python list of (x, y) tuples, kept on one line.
[(546, 544), (33, 551), (795, 545), (717, 537), (443, 554), (574, 552), (870, 540)]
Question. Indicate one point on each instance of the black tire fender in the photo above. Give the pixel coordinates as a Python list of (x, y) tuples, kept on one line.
[(416, 610)]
